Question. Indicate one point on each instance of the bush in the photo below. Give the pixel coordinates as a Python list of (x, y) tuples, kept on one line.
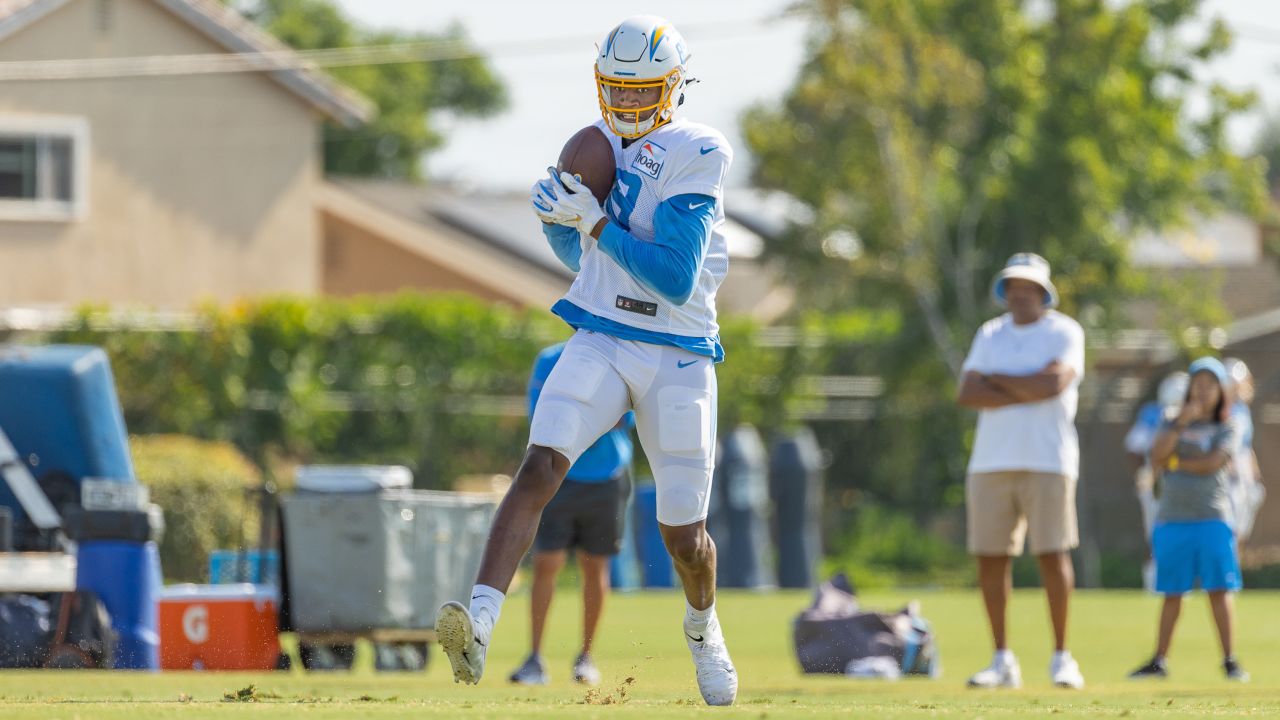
[(1263, 577), (205, 491), (883, 548), (436, 383)]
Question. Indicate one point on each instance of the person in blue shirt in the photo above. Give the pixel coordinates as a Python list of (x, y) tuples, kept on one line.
[(585, 514), (1247, 492), (1151, 416)]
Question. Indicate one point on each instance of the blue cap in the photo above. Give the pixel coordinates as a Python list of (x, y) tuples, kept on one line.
[(1210, 365)]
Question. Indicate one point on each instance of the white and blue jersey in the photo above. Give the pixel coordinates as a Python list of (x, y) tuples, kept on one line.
[(653, 275), (1244, 418), (1145, 428)]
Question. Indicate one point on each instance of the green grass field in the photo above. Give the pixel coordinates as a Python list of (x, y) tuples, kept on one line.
[(642, 641)]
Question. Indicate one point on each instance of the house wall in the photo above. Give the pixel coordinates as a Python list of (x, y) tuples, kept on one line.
[(200, 187), (357, 262)]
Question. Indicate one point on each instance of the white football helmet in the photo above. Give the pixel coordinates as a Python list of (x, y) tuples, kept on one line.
[(643, 52), (1241, 378), (1173, 390), (1237, 370)]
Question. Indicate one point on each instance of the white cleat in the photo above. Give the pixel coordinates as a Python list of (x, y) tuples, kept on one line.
[(998, 675), (1065, 672), (717, 678), (456, 631)]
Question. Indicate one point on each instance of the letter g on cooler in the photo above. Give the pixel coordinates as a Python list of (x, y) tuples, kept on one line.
[(195, 624)]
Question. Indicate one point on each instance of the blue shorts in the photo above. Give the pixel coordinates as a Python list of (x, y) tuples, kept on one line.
[(1203, 550)]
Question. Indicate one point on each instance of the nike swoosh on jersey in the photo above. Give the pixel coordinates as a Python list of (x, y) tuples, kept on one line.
[(704, 151), (685, 365), (695, 206)]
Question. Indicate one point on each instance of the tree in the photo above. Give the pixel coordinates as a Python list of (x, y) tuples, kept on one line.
[(934, 138), (408, 94)]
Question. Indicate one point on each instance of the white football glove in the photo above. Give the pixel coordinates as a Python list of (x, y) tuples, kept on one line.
[(543, 196), (578, 205)]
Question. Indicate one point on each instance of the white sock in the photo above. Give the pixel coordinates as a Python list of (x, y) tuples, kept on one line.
[(486, 606), (1061, 656), (696, 620), (1004, 658)]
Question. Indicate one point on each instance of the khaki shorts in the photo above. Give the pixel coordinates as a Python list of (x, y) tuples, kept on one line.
[(1000, 506)]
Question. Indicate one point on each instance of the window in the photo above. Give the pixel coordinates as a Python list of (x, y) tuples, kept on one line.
[(43, 167)]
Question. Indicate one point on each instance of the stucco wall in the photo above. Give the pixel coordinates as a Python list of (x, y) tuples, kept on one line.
[(199, 187)]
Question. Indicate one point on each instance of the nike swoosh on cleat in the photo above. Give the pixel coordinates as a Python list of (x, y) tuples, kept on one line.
[(704, 151), (695, 639), (685, 364)]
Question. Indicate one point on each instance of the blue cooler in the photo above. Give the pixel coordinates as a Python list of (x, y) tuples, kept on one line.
[(58, 407), (126, 575), (656, 569), (260, 567)]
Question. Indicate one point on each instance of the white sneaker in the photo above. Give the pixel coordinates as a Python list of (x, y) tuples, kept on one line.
[(1000, 674), (717, 678), (464, 640), (585, 670), (1065, 671)]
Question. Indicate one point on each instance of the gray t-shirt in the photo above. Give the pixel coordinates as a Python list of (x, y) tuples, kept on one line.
[(1187, 496)]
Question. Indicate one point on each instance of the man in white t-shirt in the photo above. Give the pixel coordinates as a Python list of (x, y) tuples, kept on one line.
[(1022, 375)]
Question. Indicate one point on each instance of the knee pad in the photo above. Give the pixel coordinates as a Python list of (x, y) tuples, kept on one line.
[(684, 493), (556, 425)]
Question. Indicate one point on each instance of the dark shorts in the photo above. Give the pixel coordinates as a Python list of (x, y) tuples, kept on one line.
[(587, 516)]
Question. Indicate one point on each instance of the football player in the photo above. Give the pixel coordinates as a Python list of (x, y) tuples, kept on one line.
[(648, 264)]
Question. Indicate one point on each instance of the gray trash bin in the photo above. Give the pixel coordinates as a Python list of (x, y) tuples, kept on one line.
[(795, 478), (362, 561), (739, 516)]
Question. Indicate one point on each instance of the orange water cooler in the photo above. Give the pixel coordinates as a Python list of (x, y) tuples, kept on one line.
[(219, 627)]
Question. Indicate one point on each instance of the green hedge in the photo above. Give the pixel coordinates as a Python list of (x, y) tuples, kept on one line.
[(881, 547), (205, 491), (436, 383)]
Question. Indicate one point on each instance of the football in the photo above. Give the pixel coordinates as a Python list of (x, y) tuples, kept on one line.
[(589, 155)]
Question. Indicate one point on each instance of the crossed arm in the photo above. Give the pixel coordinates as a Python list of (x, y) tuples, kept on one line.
[(985, 392), (1166, 443)]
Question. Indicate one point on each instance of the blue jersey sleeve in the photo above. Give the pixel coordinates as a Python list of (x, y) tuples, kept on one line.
[(669, 265), (566, 243), (542, 367)]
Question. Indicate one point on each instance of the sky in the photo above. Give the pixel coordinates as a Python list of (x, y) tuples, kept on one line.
[(742, 59)]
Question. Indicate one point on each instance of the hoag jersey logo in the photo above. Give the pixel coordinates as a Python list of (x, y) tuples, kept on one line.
[(651, 159)]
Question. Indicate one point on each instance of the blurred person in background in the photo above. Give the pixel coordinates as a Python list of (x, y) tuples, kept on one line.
[(1138, 441), (585, 514), (1022, 375), (1247, 491), (1193, 540)]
